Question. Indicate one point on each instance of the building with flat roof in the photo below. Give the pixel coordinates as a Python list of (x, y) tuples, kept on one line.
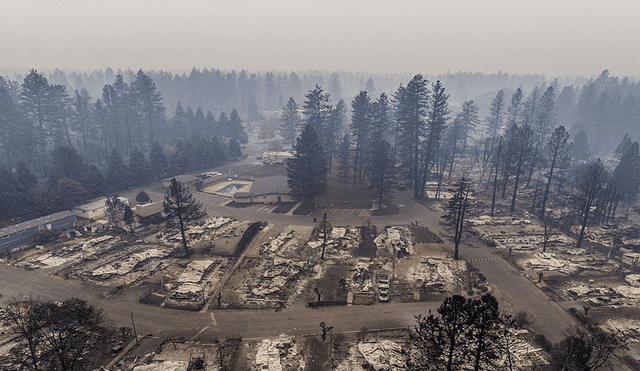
[(270, 189), (20, 233)]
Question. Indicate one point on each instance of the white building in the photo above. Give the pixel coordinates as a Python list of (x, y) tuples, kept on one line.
[(96, 209)]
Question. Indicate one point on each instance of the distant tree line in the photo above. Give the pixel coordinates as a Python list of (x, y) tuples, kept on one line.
[(57, 150), (219, 90), (414, 134)]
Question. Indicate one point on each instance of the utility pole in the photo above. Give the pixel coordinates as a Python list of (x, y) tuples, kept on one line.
[(325, 329), (135, 333), (325, 226)]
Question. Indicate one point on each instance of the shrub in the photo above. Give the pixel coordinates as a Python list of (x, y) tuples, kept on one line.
[(522, 319), (142, 197)]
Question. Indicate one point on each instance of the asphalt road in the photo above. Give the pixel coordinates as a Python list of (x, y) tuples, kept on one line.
[(514, 291)]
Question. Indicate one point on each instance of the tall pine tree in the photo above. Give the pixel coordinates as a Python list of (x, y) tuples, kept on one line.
[(307, 171)]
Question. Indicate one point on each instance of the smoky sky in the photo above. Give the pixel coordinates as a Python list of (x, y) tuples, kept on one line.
[(554, 37)]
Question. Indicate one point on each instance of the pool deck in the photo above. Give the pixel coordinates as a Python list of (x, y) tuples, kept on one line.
[(216, 188)]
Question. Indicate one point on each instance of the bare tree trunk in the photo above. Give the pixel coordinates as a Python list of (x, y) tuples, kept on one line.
[(495, 179)]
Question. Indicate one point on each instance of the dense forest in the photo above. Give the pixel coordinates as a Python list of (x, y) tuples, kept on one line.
[(59, 149), (520, 151), (68, 136)]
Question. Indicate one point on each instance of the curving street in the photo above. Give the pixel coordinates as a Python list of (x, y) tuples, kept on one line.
[(514, 291)]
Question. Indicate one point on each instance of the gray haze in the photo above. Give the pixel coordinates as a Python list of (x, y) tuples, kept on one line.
[(554, 37)]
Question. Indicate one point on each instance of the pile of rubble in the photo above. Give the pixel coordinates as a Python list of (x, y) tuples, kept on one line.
[(180, 355), (549, 262), (67, 253), (627, 328), (633, 279), (602, 295), (498, 220), (437, 274), (276, 278), (340, 244), (515, 233), (521, 355), (279, 354), (388, 355), (287, 264), (568, 261), (362, 279), (210, 229), (370, 276), (284, 244), (375, 354), (137, 257), (274, 284), (396, 240), (215, 227), (610, 235), (383, 355), (198, 279)]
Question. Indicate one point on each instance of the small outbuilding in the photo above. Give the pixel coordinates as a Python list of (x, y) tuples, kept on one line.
[(150, 213), (271, 189), (20, 233)]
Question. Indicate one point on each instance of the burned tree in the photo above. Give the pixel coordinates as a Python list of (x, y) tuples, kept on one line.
[(626, 176), (586, 349), (68, 335), (180, 202), (128, 218), (550, 225), (466, 334), (115, 207), (495, 178), (590, 186), (557, 148), (523, 147), (457, 207)]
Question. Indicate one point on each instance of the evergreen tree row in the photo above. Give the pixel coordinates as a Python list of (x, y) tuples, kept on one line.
[(70, 180), (36, 117), (414, 136)]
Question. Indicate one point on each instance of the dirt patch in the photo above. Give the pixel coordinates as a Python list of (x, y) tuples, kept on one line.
[(352, 196), (390, 209), (333, 284), (423, 235)]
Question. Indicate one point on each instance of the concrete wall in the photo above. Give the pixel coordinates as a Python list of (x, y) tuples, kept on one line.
[(266, 199)]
